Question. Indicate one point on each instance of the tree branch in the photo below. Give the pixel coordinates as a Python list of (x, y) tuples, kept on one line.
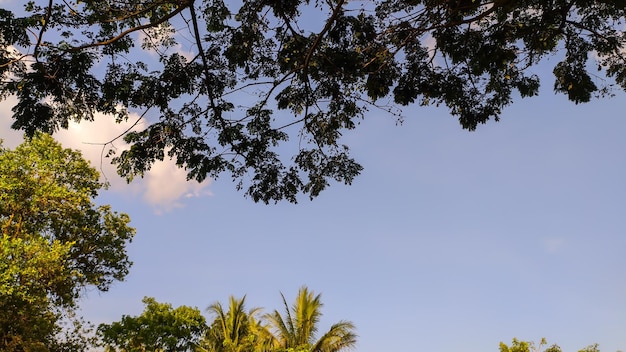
[(183, 5)]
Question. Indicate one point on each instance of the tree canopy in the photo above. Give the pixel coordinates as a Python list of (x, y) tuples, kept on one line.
[(54, 243), (528, 346), (163, 328), (159, 328), (224, 85)]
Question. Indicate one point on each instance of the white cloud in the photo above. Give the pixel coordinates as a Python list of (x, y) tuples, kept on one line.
[(89, 138), (164, 187), (430, 43), (10, 138)]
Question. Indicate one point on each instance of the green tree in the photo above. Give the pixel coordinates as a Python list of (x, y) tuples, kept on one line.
[(215, 109), (54, 243), (528, 346), (159, 328), (163, 328), (296, 330), (29, 269), (236, 330)]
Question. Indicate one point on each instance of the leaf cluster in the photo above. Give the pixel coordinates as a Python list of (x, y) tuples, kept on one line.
[(233, 329), (264, 90), (159, 328), (529, 346), (54, 241)]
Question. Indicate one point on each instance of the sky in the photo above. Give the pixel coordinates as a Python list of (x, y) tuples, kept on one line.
[(449, 240)]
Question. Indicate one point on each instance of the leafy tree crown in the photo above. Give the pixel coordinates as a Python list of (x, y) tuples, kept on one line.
[(263, 90)]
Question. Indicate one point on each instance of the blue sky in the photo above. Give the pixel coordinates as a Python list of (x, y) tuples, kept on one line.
[(450, 240)]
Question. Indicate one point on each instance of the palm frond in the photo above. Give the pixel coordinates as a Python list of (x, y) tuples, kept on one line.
[(297, 328), (340, 336)]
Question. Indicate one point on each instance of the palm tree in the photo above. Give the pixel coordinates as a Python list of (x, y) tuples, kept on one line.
[(296, 330), (236, 330)]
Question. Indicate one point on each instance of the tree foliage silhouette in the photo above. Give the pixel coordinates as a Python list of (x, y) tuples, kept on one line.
[(224, 85)]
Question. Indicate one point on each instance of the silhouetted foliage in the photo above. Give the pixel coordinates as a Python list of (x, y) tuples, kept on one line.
[(224, 84)]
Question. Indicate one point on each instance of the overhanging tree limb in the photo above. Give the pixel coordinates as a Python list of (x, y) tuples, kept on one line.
[(254, 70)]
